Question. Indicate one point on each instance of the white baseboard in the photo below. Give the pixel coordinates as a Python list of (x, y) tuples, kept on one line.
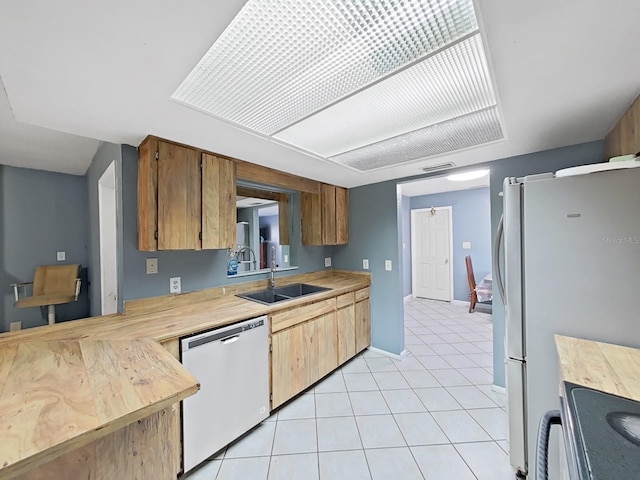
[(402, 355), (461, 303), (497, 389), (408, 297)]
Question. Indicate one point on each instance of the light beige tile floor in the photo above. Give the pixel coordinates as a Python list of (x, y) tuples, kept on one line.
[(432, 415)]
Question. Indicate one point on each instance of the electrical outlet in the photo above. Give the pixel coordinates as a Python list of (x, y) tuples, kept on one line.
[(61, 256), (466, 245), (286, 258), (365, 264), (175, 285), (152, 266), (327, 262), (387, 265), (14, 326)]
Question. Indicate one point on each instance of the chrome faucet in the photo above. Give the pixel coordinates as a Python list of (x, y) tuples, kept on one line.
[(272, 279), (243, 249)]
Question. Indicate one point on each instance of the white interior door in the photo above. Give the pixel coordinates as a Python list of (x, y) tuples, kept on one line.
[(431, 253), (108, 241)]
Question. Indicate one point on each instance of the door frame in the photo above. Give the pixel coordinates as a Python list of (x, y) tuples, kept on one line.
[(449, 210), (107, 193)]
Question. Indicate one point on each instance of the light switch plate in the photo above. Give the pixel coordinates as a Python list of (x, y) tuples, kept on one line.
[(327, 262), (15, 326), (175, 285), (152, 266), (466, 245), (387, 265), (61, 256), (365, 264)]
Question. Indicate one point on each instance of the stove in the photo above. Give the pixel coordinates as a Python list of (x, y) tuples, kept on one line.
[(605, 431)]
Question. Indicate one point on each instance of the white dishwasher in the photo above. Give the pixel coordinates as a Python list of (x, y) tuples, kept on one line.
[(232, 366)]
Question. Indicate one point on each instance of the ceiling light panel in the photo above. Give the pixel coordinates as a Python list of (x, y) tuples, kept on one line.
[(280, 61), (461, 132), (452, 83)]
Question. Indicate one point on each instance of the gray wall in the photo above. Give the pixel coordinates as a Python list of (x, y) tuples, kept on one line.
[(197, 269), (540, 162), (471, 218), (374, 233), (41, 213), (405, 220), (106, 153)]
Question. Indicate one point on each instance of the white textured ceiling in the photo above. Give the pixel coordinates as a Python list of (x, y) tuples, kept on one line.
[(564, 72), (23, 145)]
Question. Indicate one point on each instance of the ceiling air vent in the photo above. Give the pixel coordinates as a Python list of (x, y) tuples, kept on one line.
[(435, 168)]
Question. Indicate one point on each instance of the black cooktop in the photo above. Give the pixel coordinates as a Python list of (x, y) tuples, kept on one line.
[(607, 433)]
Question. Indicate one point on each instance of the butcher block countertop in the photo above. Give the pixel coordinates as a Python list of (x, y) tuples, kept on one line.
[(602, 366), (64, 385), (178, 315), (58, 395)]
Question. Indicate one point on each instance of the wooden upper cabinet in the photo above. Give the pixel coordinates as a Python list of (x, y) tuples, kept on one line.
[(186, 198), (218, 202), (311, 218), (325, 216), (328, 195), (342, 216), (179, 198)]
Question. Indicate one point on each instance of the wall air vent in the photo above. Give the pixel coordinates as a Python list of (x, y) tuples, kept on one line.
[(435, 168)]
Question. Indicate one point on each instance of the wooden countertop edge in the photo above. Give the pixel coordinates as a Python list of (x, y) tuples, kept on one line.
[(602, 366), (25, 465)]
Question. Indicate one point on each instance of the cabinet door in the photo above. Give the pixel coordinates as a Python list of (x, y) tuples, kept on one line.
[(147, 195), (342, 216), (363, 324), (179, 198), (328, 214), (327, 334), (346, 333), (294, 361), (218, 202), (311, 218)]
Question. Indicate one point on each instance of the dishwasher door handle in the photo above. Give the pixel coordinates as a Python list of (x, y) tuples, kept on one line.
[(231, 339)]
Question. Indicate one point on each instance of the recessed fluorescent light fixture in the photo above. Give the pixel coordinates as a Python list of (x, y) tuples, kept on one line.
[(335, 77), (472, 175)]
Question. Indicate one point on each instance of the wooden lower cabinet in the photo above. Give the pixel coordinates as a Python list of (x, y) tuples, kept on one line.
[(294, 361), (346, 333), (301, 355), (311, 341), (363, 319), (327, 334), (173, 346)]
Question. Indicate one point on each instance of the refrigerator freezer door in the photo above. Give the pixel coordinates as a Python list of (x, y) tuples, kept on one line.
[(514, 317), (517, 419), (581, 258)]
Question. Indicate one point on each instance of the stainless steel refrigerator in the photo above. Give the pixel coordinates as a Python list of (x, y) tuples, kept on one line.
[(572, 267)]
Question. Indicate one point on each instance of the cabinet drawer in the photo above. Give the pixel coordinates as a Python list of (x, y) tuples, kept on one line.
[(362, 294), (345, 300), (296, 315)]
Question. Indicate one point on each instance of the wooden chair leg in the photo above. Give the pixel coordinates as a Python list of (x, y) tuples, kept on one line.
[(472, 301)]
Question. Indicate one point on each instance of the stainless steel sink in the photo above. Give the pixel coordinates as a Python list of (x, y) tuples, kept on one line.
[(281, 294)]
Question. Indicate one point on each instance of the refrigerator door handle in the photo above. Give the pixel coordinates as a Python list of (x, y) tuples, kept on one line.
[(496, 259)]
